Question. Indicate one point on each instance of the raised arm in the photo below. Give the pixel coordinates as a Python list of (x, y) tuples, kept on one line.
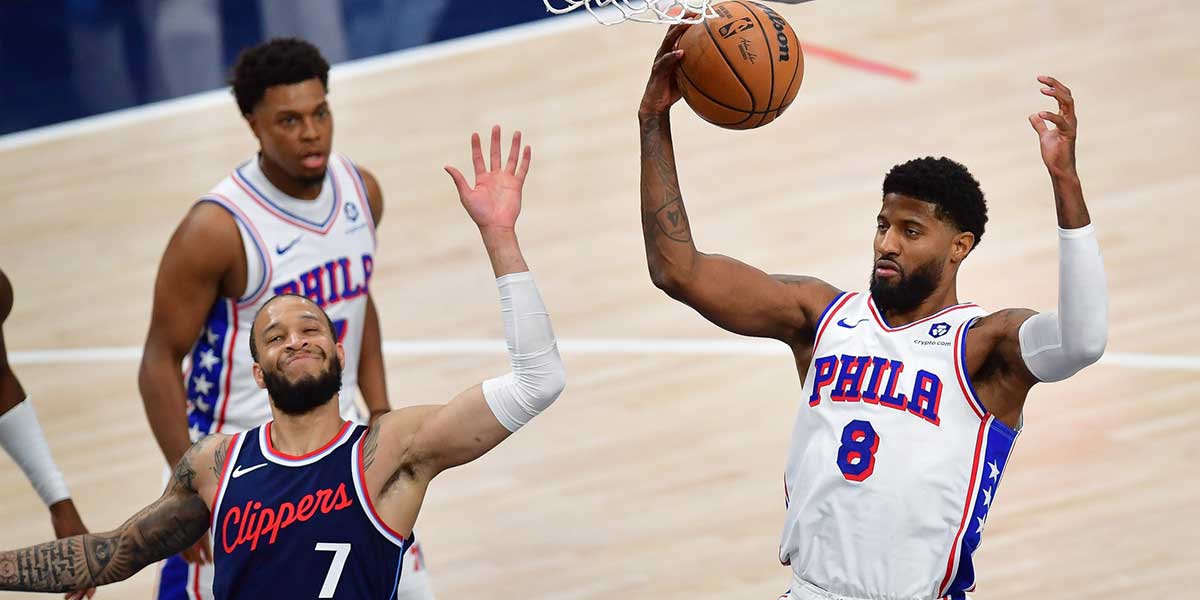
[(484, 415), (172, 523), (731, 294), (1029, 347)]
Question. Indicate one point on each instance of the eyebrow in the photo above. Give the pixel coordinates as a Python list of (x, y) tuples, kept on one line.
[(277, 324)]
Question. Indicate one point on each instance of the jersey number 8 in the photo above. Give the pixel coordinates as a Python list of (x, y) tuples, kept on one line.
[(856, 456)]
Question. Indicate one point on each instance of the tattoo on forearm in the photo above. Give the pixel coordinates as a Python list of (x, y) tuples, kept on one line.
[(672, 220), (164, 528), (174, 522), (660, 181)]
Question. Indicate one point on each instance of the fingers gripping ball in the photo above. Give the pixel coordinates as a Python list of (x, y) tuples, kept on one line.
[(742, 68)]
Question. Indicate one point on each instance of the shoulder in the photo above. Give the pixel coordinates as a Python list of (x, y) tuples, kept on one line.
[(207, 235), (993, 348), (1002, 323), (373, 190), (388, 442), (202, 461), (812, 295)]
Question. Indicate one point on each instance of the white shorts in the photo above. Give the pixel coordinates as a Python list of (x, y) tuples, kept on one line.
[(803, 590)]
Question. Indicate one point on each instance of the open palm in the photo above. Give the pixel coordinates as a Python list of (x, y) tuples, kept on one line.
[(495, 201)]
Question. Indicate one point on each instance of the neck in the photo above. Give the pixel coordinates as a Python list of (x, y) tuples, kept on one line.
[(287, 184), (297, 435), (939, 299)]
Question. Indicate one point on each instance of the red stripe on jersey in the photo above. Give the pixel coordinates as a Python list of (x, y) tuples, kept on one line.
[(829, 319), (366, 494), (960, 371), (962, 527), (271, 208), (232, 449), (277, 454), (886, 327)]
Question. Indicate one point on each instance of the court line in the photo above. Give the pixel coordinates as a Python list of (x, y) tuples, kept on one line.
[(610, 347), (857, 62)]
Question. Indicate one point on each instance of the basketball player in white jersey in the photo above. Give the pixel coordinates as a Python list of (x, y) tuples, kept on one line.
[(22, 438), (911, 399), (295, 218)]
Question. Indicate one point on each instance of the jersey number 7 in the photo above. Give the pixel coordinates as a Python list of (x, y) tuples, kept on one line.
[(340, 553)]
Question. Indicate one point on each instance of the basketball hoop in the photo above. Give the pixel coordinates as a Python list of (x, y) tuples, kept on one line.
[(642, 11)]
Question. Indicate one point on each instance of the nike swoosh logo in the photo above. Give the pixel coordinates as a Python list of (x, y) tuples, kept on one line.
[(282, 249), (842, 323), (238, 472)]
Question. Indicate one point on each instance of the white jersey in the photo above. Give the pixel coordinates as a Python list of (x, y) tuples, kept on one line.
[(894, 461), (322, 249)]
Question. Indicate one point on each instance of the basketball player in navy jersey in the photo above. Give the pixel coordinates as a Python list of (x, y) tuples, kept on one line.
[(297, 217), (310, 504), (911, 399), (22, 438)]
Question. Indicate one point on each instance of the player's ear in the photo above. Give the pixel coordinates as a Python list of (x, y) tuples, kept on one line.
[(341, 352), (961, 246), (252, 121), (258, 376)]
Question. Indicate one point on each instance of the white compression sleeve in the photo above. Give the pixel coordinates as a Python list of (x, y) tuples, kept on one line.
[(21, 436), (1057, 345), (537, 376)]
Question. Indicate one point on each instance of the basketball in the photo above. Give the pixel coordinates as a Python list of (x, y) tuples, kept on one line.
[(742, 68)]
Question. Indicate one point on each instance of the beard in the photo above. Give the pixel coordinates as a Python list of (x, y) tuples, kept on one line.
[(909, 290), (306, 393)]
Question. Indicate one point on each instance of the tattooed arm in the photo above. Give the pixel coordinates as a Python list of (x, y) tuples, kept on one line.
[(732, 294), (162, 529)]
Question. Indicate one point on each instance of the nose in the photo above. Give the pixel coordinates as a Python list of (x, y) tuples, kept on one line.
[(297, 341), (309, 131), (888, 243)]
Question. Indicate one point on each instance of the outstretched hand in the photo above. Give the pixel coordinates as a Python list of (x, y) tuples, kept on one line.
[(1058, 143), (661, 90), (495, 201)]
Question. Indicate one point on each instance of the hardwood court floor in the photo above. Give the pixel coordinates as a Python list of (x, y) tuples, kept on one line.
[(657, 475)]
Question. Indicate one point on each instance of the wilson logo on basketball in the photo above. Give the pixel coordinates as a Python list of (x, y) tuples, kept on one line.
[(252, 523), (733, 28), (781, 27)]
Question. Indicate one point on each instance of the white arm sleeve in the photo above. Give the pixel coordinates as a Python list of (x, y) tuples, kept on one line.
[(21, 435), (1057, 345), (537, 376)]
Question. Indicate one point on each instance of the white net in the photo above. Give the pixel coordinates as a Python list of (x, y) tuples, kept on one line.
[(611, 12)]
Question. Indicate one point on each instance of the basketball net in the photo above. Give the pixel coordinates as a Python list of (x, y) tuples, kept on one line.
[(642, 11)]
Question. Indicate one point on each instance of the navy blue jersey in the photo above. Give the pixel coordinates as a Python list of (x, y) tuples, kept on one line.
[(301, 526)]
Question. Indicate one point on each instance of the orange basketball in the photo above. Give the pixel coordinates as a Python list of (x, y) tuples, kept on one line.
[(742, 68)]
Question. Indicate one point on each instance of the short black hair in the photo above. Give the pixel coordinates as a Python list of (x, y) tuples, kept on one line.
[(254, 338), (947, 185), (281, 61)]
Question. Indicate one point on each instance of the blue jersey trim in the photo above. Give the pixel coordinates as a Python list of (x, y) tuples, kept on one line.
[(321, 225)]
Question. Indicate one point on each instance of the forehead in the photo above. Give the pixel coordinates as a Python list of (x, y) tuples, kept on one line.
[(288, 309), (300, 97), (898, 207)]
